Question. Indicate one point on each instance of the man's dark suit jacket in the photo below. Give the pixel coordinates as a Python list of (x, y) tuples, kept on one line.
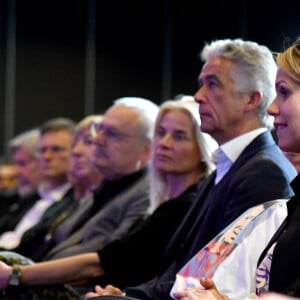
[(13, 213), (260, 174)]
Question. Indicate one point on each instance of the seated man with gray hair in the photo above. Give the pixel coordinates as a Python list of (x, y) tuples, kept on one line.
[(123, 149), (23, 149)]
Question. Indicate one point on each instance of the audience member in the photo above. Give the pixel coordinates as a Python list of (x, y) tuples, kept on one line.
[(83, 175), (23, 149), (236, 85), (55, 142), (284, 274), (24, 152), (122, 153)]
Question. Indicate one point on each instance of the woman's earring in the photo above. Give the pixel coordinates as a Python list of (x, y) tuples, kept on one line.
[(138, 165)]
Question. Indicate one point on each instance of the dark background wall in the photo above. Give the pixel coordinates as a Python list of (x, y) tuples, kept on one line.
[(74, 57)]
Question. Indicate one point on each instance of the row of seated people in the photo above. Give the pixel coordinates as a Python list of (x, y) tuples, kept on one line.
[(63, 179), (251, 169), (42, 177), (184, 129)]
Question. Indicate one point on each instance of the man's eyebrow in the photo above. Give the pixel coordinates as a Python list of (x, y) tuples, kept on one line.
[(211, 76)]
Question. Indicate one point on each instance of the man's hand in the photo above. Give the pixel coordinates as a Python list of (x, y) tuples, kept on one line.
[(210, 292), (108, 290)]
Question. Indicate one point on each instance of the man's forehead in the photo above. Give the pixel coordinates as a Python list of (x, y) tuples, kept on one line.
[(216, 65), (210, 67), (119, 116), (56, 133), (61, 137)]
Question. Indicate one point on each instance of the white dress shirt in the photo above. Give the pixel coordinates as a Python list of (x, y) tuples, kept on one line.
[(229, 152)]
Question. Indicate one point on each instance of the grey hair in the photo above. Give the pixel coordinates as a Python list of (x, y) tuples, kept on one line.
[(256, 69), (147, 111), (28, 140), (206, 144)]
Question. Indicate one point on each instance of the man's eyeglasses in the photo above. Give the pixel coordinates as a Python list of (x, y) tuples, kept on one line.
[(109, 133)]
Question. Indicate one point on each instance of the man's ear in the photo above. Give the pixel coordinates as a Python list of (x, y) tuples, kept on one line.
[(253, 101)]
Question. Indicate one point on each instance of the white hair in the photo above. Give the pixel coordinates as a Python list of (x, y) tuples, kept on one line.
[(28, 140), (147, 111), (206, 144)]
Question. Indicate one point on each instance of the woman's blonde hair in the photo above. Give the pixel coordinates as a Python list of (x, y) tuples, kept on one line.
[(289, 60)]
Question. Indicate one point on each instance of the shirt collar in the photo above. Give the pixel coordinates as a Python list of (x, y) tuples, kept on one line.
[(236, 146), (55, 194)]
